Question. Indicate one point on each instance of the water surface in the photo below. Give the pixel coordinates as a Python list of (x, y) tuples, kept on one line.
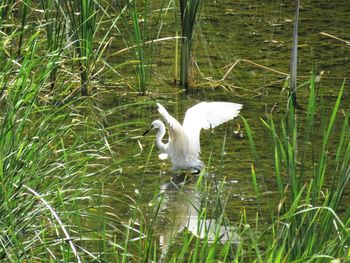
[(257, 34)]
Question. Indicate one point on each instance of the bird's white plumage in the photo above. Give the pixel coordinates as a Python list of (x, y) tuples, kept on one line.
[(178, 142), (207, 115), (183, 146)]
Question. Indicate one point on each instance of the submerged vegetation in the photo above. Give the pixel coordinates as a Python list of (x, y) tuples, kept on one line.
[(69, 191)]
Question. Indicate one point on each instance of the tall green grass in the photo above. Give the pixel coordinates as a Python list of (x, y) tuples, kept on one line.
[(55, 29), (82, 31), (83, 22), (137, 33), (143, 27), (189, 11), (56, 158), (27, 160), (294, 57), (50, 168), (308, 224), (25, 9), (5, 8)]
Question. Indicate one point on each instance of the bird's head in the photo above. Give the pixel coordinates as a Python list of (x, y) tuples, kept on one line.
[(155, 125)]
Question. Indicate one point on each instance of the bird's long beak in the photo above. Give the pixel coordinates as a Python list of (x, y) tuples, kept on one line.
[(147, 131)]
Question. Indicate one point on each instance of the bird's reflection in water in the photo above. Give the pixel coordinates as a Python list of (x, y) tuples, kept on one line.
[(182, 207)]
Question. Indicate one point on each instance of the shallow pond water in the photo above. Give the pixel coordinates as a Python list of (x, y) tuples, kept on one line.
[(258, 35), (87, 158)]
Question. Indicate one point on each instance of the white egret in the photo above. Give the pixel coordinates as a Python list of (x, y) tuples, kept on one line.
[(183, 146)]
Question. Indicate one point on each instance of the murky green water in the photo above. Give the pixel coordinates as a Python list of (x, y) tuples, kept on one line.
[(250, 31)]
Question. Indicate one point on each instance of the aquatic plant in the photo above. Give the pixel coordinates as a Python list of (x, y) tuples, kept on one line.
[(24, 16), (190, 12), (294, 57), (55, 29), (138, 38), (143, 34), (46, 163), (308, 224), (83, 26), (57, 155), (5, 9), (25, 160)]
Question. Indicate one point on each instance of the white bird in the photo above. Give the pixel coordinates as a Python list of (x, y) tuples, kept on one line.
[(183, 146)]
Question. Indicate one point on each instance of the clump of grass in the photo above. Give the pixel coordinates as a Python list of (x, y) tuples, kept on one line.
[(26, 160), (25, 7), (307, 224), (83, 22), (190, 11), (55, 29), (143, 26), (294, 57), (5, 9), (49, 174), (137, 34)]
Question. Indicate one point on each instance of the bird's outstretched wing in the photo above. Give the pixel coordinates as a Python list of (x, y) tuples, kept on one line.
[(205, 115), (178, 140)]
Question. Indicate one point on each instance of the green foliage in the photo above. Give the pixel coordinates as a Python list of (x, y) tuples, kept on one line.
[(55, 30), (82, 23), (48, 168), (308, 225), (28, 148), (5, 7), (190, 12), (143, 27), (54, 149), (136, 32)]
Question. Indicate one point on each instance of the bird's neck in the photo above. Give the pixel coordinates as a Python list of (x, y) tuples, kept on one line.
[(159, 137)]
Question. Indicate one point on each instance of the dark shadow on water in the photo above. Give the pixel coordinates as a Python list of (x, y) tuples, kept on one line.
[(179, 180)]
